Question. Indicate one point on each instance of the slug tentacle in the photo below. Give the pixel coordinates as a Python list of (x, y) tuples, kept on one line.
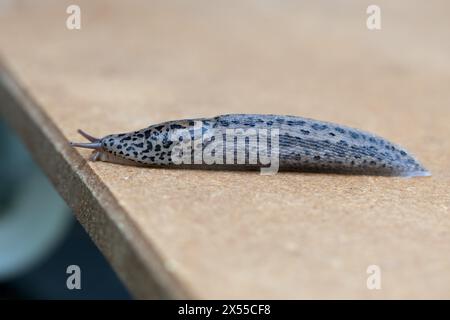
[(300, 144), (95, 143), (88, 136), (89, 145)]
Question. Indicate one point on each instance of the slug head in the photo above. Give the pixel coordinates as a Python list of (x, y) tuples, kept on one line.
[(105, 149)]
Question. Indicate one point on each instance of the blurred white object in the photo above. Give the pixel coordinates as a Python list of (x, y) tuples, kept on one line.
[(32, 226)]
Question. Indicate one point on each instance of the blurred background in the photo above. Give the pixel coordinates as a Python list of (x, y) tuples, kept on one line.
[(40, 238)]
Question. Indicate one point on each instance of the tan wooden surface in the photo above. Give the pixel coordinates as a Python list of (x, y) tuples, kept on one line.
[(205, 234)]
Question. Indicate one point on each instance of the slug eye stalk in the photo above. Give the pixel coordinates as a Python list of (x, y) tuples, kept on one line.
[(95, 143)]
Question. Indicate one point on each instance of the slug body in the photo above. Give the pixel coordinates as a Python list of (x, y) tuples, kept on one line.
[(302, 144)]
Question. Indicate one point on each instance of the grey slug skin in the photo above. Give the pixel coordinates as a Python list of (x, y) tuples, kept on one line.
[(304, 145)]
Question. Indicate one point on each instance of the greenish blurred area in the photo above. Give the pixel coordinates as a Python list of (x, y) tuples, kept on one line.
[(39, 238)]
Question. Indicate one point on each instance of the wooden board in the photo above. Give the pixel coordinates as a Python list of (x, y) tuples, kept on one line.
[(206, 234)]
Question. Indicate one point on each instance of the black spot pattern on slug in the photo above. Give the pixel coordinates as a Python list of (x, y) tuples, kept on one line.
[(304, 144), (176, 126), (318, 126), (354, 135), (295, 123)]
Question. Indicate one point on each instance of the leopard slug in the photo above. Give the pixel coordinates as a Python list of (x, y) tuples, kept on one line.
[(303, 145)]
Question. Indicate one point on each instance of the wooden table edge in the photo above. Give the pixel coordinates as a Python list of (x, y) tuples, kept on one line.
[(136, 262)]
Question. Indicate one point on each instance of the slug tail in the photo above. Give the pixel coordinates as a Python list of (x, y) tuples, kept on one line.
[(422, 172), (409, 167)]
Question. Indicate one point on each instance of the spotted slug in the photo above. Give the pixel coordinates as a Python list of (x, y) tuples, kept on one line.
[(243, 141)]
